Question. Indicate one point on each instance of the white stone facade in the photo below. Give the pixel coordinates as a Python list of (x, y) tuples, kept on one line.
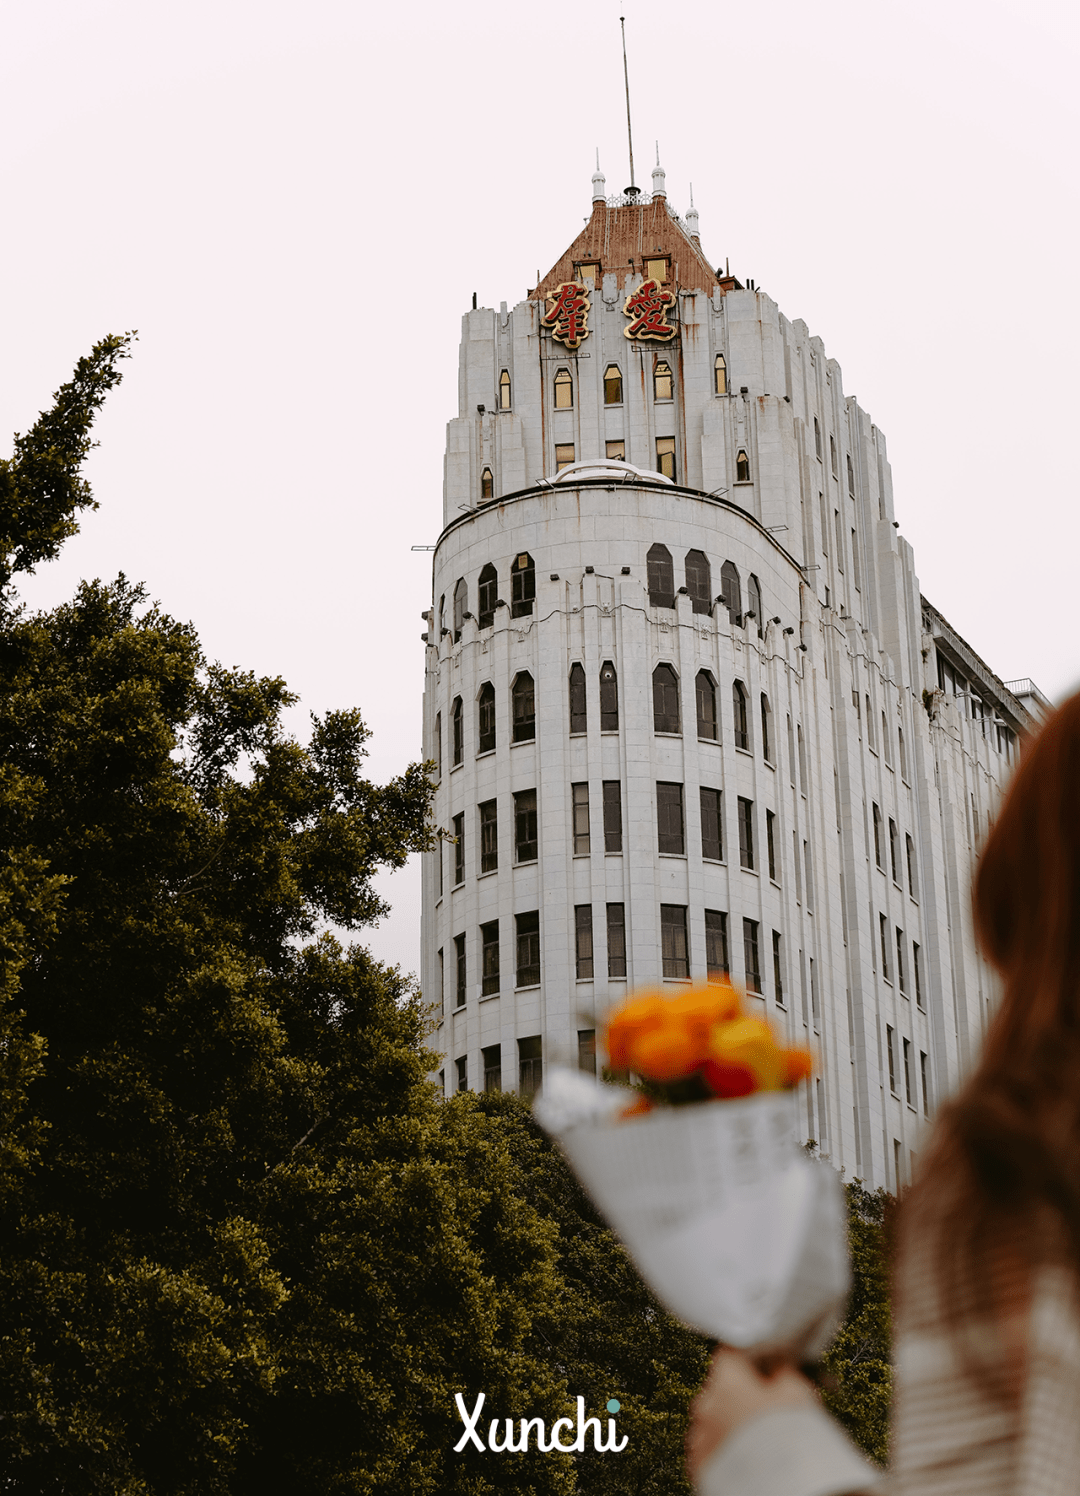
[(877, 713)]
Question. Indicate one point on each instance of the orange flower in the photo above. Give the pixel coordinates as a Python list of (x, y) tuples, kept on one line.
[(639, 1015), (749, 1042), (798, 1065), (665, 1053), (728, 1081)]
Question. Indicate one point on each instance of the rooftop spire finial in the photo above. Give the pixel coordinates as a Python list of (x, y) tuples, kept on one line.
[(692, 218), (629, 132), (658, 178), (599, 185)]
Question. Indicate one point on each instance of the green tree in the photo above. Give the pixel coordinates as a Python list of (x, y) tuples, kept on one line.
[(858, 1366)]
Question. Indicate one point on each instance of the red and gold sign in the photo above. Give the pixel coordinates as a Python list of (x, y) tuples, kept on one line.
[(648, 310), (568, 314)]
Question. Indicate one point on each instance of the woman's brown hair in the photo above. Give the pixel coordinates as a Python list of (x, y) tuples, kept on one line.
[(1001, 1183)]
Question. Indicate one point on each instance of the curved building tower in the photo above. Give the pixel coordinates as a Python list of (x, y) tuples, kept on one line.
[(688, 708)]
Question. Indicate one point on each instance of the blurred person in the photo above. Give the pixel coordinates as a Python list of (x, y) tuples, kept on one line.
[(987, 1276)]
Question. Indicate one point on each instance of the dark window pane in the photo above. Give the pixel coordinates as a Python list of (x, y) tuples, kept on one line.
[(877, 835), (438, 744), (894, 850), (486, 718), (609, 698), (492, 1057), (705, 694), (522, 585), (766, 740), (673, 946), (459, 977), (580, 814), (487, 594), (612, 385), (742, 726), (712, 842), (489, 836), (462, 1073), (665, 456), (716, 947), (770, 838), (457, 719), (731, 591), (746, 833), (669, 818), (524, 707), (459, 848), (489, 937), (751, 955), (753, 589), (612, 815), (661, 577), (578, 703), (665, 687), (778, 968), (530, 1065), (742, 467), (525, 846), (461, 606), (616, 940), (528, 949), (583, 943), (586, 1051)]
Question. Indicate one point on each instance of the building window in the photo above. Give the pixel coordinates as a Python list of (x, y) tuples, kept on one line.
[(699, 581), (855, 561), (894, 849), (665, 456), (925, 1084), (720, 374), (523, 697), (489, 836), (665, 697), (525, 841), (731, 591), (750, 955), (673, 947), (657, 270), (583, 945), (832, 456), (578, 702), (564, 390), (461, 606), (877, 836), (587, 273), (766, 736), (746, 833), (901, 980), (824, 525), (770, 843), (903, 754), (742, 467), (883, 926), (662, 383), (489, 968), (439, 855), (459, 968), (485, 714), (712, 834), (616, 940), (890, 1044), (528, 949), (487, 594), (791, 750), (802, 758), (669, 819), (459, 848), (661, 577), (871, 736), (777, 969), (492, 1057), (530, 1065), (564, 455), (917, 974), (442, 615), (907, 1071), (612, 385), (462, 1073), (817, 438), (885, 748), (850, 476), (839, 542), (586, 1051), (616, 450), (612, 815), (797, 865), (716, 947), (438, 745), (609, 698), (912, 883), (742, 725), (809, 866), (505, 401), (442, 985), (580, 815), (705, 695), (753, 593), (522, 585)]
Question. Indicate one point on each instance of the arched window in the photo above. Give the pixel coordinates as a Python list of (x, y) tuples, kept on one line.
[(720, 374), (523, 698), (753, 592), (578, 703), (461, 606), (609, 698), (485, 718), (504, 390), (661, 576), (817, 438), (766, 736), (705, 695), (731, 591), (742, 467), (487, 484), (850, 476), (802, 758), (699, 581), (663, 386), (903, 754), (457, 720), (832, 456), (442, 615), (742, 726), (487, 593), (612, 385), (564, 390), (665, 699), (886, 746), (522, 585)]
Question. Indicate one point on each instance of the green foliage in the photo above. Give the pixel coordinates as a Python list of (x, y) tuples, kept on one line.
[(858, 1361)]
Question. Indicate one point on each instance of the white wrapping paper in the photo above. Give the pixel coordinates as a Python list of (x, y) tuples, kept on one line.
[(732, 1227)]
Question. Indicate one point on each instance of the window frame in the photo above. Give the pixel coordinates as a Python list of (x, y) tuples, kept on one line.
[(583, 943), (663, 374), (670, 807), (506, 391), (720, 375), (523, 696), (522, 585), (578, 700), (615, 926), (580, 829), (741, 717), (746, 833), (666, 678), (697, 574), (705, 694), (488, 812), (613, 827), (486, 728), (607, 380), (712, 818), (527, 939), (660, 576), (523, 810), (561, 381), (674, 943), (489, 965), (609, 693), (487, 595), (716, 943)]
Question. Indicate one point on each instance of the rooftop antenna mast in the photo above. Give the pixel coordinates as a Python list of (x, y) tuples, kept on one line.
[(626, 79)]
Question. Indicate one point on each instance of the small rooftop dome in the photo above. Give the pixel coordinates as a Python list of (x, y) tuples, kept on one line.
[(612, 470)]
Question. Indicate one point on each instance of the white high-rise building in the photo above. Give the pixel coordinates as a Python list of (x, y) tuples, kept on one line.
[(689, 709)]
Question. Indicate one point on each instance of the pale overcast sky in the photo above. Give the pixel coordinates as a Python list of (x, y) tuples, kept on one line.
[(294, 204)]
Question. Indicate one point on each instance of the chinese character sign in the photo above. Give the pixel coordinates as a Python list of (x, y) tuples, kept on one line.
[(648, 311), (568, 314)]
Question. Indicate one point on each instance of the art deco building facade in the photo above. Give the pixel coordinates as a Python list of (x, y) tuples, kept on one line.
[(688, 707)]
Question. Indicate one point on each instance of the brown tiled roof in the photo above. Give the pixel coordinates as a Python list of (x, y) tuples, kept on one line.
[(621, 238)]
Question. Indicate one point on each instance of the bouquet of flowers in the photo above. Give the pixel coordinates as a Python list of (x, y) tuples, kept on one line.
[(735, 1230)]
